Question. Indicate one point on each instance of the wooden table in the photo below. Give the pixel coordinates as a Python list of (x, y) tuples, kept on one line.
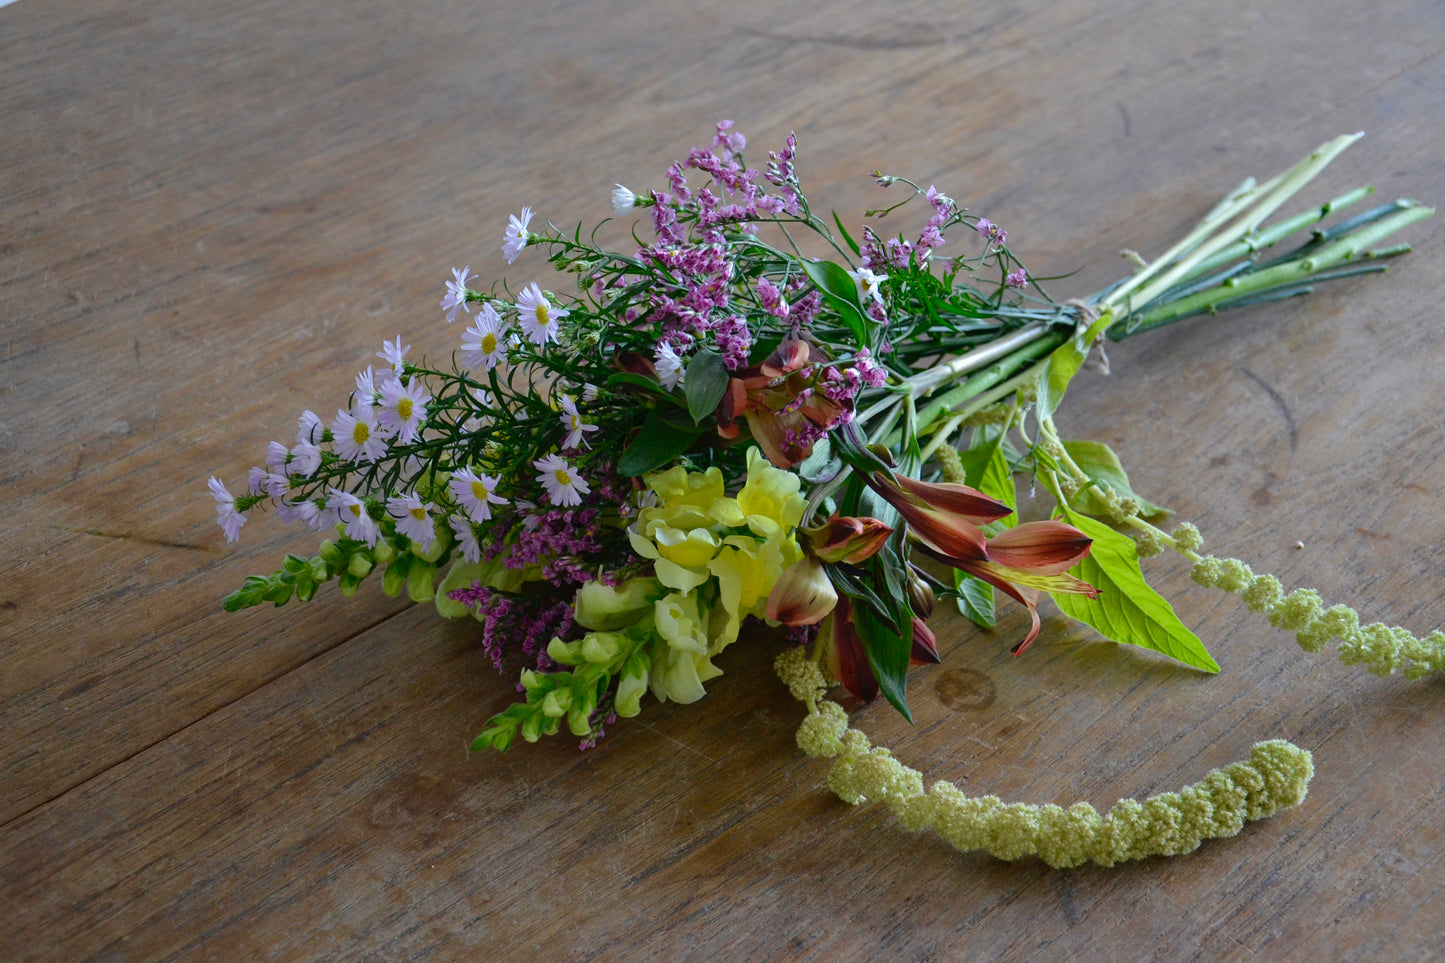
[(211, 214)]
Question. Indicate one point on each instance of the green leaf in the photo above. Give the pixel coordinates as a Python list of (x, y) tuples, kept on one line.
[(1127, 609), (658, 443), (887, 653), (1101, 464), (841, 293), (986, 468), (975, 599), (1064, 363), (706, 383), (633, 380)]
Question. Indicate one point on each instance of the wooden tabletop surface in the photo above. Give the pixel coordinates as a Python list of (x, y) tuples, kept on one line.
[(212, 213)]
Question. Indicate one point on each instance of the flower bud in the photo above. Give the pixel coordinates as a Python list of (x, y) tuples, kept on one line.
[(846, 539), (920, 595)]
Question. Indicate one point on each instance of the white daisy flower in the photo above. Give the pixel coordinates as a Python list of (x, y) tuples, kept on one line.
[(277, 486), (538, 316), (276, 456), (623, 200), (365, 388), (401, 408), (456, 293), (475, 493), (356, 437), (589, 393), (227, 517), (351, 512), (528, 510), (564, 486), (868, 283), (485, 341), (256, 480), (573, 423), (517, 235), (303, 511), (393, 353), (466, 538), (670, 370), (305, 459), (309, 428), (413, 519)]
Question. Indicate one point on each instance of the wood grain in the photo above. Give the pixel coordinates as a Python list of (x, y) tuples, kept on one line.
[(211, 214)]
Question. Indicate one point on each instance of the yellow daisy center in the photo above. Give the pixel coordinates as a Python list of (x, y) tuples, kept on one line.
[(404, 409), (479, 491), (360, 433), (355, 510), (542, 317), (489, 343), (563, 476), (418, 513)]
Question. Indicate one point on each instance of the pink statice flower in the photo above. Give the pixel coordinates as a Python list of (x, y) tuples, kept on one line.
[(538, 316), (456, 296), (1016, 279), (227, 516), (413, 518), (517, 235)]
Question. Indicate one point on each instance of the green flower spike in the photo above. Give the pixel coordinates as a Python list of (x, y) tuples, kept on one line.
[(1275, 777)]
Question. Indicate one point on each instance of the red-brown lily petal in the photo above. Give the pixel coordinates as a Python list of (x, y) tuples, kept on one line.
[(792, 354), (847, 539), (771, 435), (846, 659), (925, 644), (803, 594), (636, 363), (969, 503), (955, 538), (1043, 548)]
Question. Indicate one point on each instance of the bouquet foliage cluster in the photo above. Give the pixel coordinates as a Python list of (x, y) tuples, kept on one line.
[(617, 474)]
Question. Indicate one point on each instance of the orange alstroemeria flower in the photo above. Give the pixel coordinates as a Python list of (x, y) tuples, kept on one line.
[(1020, 562), (803, 594), (778, 401), (1025, 560)]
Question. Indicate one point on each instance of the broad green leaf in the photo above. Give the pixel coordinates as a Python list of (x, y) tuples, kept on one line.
[(1064, 363), (1127, 609), (1101, 464), (706, 383), (841, 293), (887, 653), (822, 464), (975, 599), (986, 468), (658, 443)]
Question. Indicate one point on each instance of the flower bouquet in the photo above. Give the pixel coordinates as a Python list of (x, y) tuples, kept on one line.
[(757, 414)]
